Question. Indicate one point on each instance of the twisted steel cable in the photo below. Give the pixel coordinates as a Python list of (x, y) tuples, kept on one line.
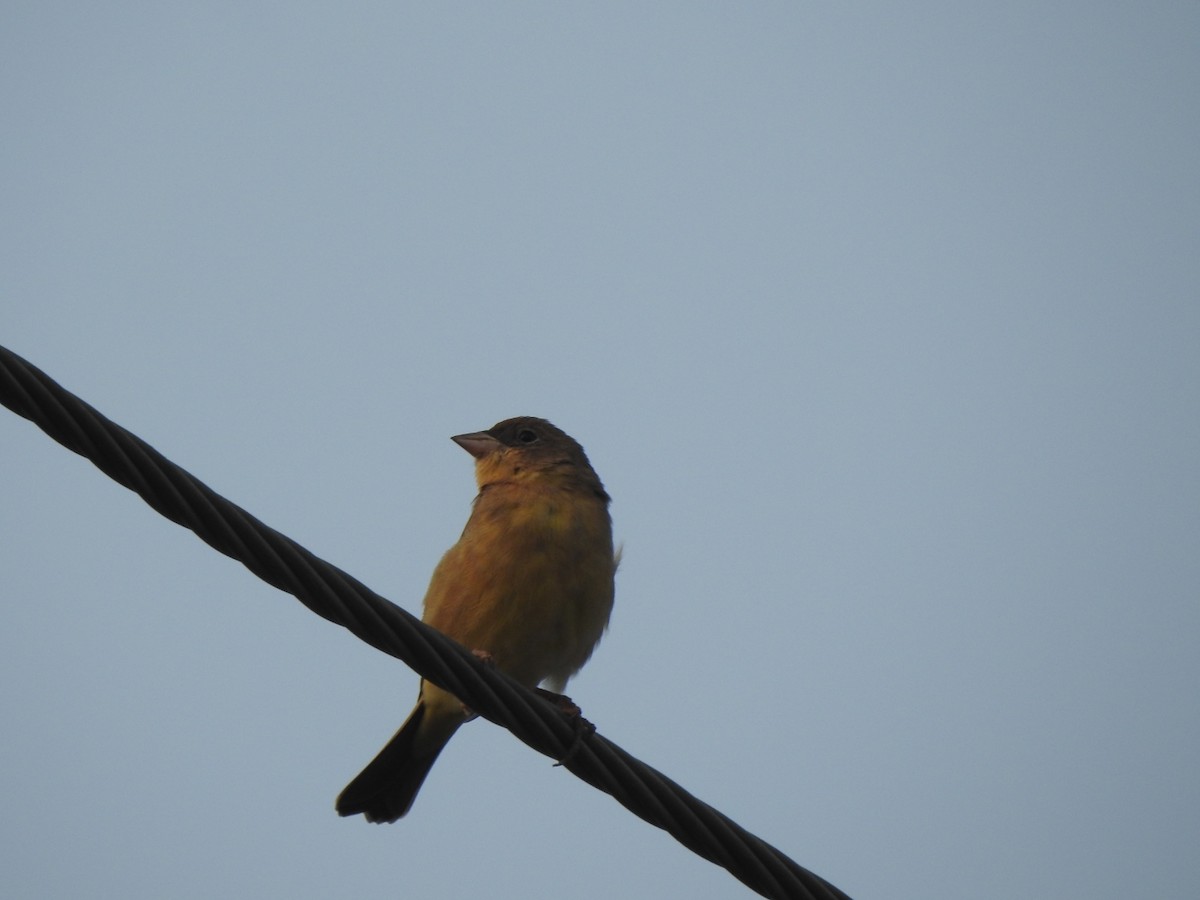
[(338, 597)]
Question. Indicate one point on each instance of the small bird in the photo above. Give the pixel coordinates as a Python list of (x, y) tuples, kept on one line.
[(529, 585)]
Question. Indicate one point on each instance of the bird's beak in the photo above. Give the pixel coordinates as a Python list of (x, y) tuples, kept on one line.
[(479, 444)]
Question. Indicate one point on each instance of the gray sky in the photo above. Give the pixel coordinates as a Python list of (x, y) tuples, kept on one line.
[(880, 322)]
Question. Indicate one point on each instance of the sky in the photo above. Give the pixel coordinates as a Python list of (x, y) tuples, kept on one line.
[(880, 322)]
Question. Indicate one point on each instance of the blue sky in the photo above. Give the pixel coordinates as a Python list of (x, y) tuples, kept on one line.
[(880, 323)]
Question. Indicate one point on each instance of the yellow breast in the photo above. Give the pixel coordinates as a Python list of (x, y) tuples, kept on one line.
[(530, 580)]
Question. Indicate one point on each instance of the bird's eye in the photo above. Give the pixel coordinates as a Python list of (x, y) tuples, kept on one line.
[(527, 436)]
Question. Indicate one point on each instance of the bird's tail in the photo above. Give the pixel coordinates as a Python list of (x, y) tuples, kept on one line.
[(386, 788)]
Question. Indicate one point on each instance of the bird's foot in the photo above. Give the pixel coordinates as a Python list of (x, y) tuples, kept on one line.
[(583, 728), (488, 660), (564, 703)]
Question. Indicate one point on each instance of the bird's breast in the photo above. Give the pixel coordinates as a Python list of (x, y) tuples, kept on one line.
[(530, 581)]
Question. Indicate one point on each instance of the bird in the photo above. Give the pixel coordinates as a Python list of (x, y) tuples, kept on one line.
[(528, 587)]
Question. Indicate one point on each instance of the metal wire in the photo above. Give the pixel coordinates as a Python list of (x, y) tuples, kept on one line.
[(338, 597)]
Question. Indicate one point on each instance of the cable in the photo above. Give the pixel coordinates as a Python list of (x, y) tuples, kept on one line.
[(338, 597)]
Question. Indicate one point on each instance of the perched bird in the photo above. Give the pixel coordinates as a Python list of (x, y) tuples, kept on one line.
[(529, 585)]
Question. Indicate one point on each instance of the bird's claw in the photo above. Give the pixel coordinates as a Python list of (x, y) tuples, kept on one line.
[(488, 660), (565, 704), (583, 728)]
